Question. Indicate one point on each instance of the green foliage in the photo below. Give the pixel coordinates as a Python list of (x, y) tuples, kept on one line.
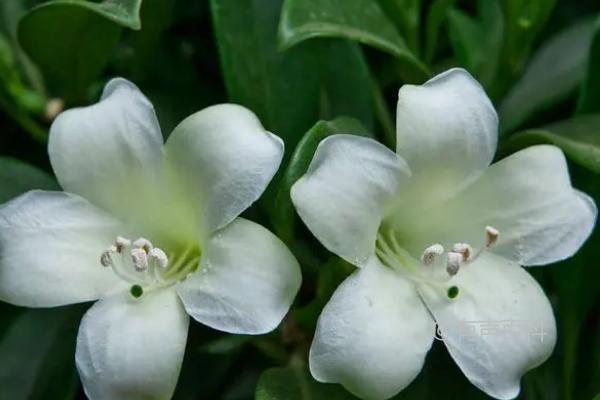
[(295, 383), (554, 72), (359, 20), (578, 137), (590, 87), (72, 40), (46, 340), (523, 22), (17, 177), (281, 87), (476, 41)]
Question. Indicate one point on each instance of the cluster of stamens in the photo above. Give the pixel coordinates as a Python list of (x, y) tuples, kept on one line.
[(141, 263), (462, 254)]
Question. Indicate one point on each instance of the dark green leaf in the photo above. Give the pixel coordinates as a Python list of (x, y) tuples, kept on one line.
[(72, 40), (279, 87), (578, 137), (11, 12), (589, 99), (17, 177), (284, 218), (295, 383), (435, 19), (405, 14), (554, 72), (523, 21), (287, 90), (359, 20), (477, 41), (38, 354), (345, 81)]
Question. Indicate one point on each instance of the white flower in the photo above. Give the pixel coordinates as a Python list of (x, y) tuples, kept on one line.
[(153, 232), (449, 232)]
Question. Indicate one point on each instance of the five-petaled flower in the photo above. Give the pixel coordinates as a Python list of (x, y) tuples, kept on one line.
[(153, 232), (438, 234)]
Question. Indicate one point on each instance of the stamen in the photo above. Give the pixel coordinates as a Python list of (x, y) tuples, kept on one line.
[(121, 243), (430, 253), (143, 243), (453, 263), (465, 249), (106, 257), (491, 235), (161, 258), (139, 258)]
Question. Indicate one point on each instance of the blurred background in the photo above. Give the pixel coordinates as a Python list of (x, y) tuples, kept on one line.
[(308, 68)]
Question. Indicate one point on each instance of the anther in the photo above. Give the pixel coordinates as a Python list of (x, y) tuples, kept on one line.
[(431, 253), (161, 258), (121, 243), (453, 263), (465, 249), (106, 257), (139, 258), (143, 243), (491, 235)]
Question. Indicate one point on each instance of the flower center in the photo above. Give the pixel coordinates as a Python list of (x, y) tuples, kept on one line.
[(436, 266), (147, 267)]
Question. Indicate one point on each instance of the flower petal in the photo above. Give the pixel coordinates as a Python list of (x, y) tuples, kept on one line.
[(50, 247), (500, 326), (344, 194), (132, 348), (373, 335), (223, 159), (528, 197), (109, 152), (246, 282), (447, 131)]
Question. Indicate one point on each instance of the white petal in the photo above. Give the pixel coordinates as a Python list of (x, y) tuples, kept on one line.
[(223, 159), (446, 132), (528, 197), (500, 326), (109, 152), (246, 282), (373, 335), (345, 192), (50, 247), (132, 348)]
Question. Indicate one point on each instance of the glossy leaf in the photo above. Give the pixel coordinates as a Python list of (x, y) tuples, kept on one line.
[(17, 177), (554, 72), (589, 99), (289, 89), (345, 81), (11, 12), (523, 22), (284, 213), (72, 40), (477, 40), (38, 355), (578, 137), (359, 20), (436, 16), (295, 383), (406, 15)]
